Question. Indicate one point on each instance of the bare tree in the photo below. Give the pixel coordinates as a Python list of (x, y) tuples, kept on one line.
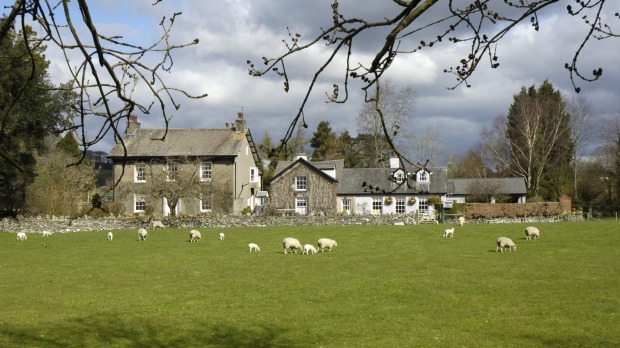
[(106, 70), (476, 25), (495, 146), (396, 105), (581, 130), (425, 144)]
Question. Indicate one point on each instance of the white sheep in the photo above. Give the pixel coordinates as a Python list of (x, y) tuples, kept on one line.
[(531, 233), (309, 249), (291, 243), (21, 236), (326, 243), (142, 234), (253, 247), (194, 236), (221, 235), (158, 224), (448, 233), (461, 220), (46, 233), (505, 242), (110, 236)]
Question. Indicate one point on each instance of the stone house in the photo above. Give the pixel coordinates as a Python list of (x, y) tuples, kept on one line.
[(218, 166), (310, 187)]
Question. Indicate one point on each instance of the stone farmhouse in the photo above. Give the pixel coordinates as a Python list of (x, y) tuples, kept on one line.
[(315, 187), (223, 162)]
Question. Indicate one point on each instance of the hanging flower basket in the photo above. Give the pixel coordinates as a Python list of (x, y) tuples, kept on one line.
[(411, 200), (388, 200)]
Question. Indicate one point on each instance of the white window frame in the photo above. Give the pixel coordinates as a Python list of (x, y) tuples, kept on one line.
[(172, 168), (346, 205), (138, 198), (139, 170), (377, 202), (206, 204), (301, 183), (206, 170), (399, 177), (400, 206), (254, 174), (423, 206), (301, 205), (423, 176)]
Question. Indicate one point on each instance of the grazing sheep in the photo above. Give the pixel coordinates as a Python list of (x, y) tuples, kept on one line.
[(309, 249), (253, 247), (448, 233), (531, 233), (221, 235), (110, 236), (291, 243), (505, 242), (158, 224), (46, 233), (142, 234), (21, 236), (326, 243), (461, 220), (194, 236)]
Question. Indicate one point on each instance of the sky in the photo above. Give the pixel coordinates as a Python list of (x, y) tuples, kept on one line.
[(233, 31)]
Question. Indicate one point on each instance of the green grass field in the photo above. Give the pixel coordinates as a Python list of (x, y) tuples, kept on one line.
[(382, 286)]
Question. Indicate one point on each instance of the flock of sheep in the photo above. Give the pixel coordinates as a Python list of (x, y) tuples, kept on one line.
[(502, 243), (292, 244)]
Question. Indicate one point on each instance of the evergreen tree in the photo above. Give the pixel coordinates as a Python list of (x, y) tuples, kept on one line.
[(323, 142), (30, 109), (69, 145), (538, 132)]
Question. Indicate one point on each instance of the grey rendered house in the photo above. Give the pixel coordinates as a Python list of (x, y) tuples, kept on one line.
[(220, 165)]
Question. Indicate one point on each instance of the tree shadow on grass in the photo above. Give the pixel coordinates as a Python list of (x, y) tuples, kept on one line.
[(96, 331)]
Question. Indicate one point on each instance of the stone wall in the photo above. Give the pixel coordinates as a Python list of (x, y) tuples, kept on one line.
[(38, 225)]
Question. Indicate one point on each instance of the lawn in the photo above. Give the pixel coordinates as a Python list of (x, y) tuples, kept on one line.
[(382, 286)]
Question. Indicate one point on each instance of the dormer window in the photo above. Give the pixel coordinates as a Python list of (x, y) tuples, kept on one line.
[(399, 176), (423, 176)]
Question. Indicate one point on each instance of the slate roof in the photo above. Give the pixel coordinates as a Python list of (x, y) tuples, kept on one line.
[(300, 161), (506, 186), (337, 165), (211, 142), (353, 179)]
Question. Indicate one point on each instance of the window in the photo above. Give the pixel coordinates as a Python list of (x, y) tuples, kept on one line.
[(301, 205), (139, 172), (172, 171), (206, 203), (301, 183), (139, 203), (253, 174), (399, 177), (422, 176), (423, 205), (346, 205), (400, 205), (377, 205), (206, 169)]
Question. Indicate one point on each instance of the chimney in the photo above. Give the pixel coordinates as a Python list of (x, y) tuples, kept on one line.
[(240, 122), (132, 125), (394, 161)]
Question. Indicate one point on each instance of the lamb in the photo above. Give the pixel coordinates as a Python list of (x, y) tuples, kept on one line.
[(194, 236), (291, 243), (531, 233), (448, 233), (21, 236), (326, 243), (253, 247), (158, 224), (461, 220), (221, 235), (46, 233), (309, 249), (110, 236), (505, 242), (142, 234)]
